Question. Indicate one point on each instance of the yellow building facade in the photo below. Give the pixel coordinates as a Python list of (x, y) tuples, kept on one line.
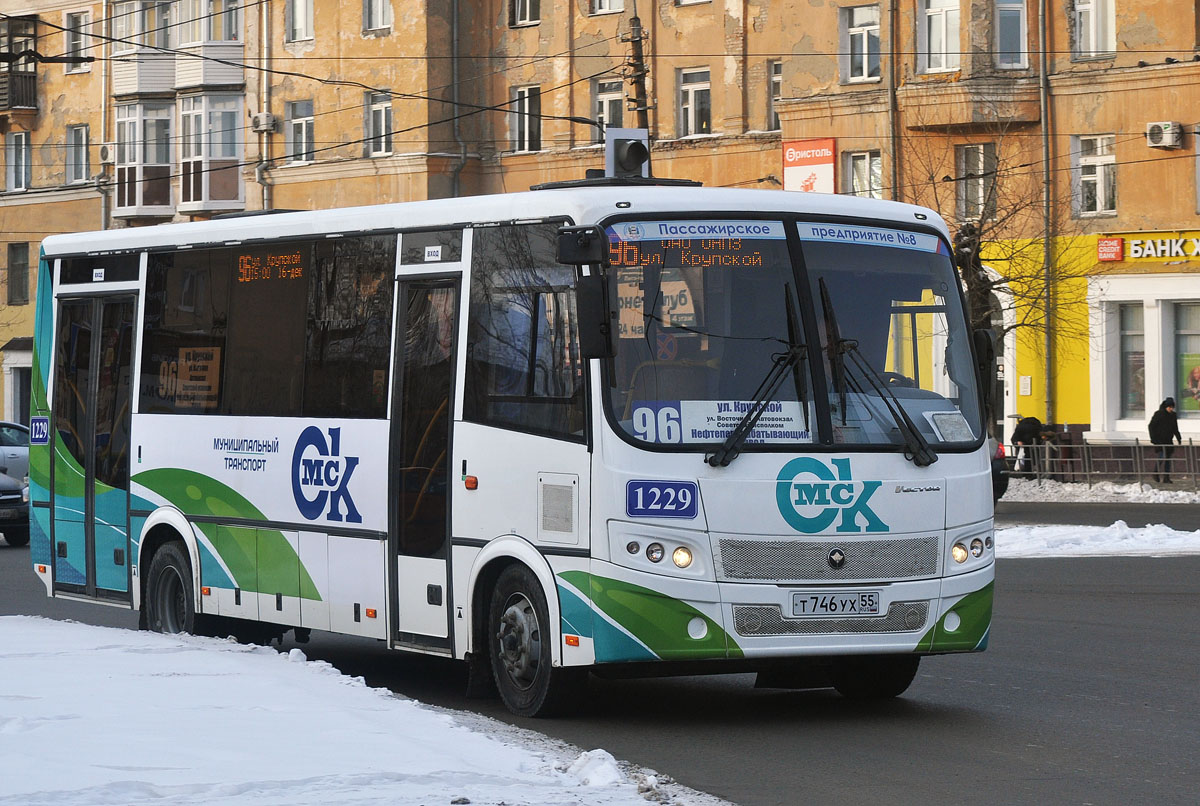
[(193, 108)]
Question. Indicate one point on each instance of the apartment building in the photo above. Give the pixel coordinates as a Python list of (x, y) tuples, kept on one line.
[(975, 107)]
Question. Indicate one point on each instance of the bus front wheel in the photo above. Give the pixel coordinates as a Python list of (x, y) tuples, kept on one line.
[(873, 677), (519, 643), (170, 603)]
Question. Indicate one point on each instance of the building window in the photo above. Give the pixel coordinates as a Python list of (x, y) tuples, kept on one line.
[(860, 43), (864, 174), (18, 157), (143, 158), (209, 21), (298, 131), (1133, 360), (18, 274), (1187, 359), (605, 6), (976, 182), (154, 22), (523, 12), (527, 119), (774, 93), (1011, 53), (377, 15), (379, 124), (695, 106), (610, 105), (77, 154), (124, 26), (1097, 175), (77, 40), (210, 145), (938, 38), (1095, 28), (299, 22)]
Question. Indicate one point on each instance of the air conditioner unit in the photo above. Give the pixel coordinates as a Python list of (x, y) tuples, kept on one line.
[(108, 153), (263, 122), (1164, 134)]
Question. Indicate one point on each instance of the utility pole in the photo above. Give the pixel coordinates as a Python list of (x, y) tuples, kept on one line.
[(637, 70)]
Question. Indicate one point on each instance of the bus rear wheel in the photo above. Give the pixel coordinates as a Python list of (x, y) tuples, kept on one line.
[(874, 677), (519, 643), (170, 602)]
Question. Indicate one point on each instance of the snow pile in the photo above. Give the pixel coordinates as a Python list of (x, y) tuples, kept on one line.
[(95, 715), (1033, 490), (1095, 541)]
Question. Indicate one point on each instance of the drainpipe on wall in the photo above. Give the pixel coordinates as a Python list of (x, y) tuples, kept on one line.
[(264, 102), (456, 173), (893, 104), (1047, 212), (101, 186)]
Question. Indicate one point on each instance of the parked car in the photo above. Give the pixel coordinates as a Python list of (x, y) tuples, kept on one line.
[(999, 469), (14, 450), (14, 510)]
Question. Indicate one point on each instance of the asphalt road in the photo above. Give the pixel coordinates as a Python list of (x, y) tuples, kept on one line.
[(1087, 695)]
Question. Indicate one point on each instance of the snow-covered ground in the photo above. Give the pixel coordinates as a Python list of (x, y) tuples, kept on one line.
[(97, 715), (1105, 492)]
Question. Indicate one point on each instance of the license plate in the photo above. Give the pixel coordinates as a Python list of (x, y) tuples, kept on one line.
[(10, 514), (835, 603)]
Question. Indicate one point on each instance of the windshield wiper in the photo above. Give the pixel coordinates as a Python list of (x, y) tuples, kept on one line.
[(789, 360), (919, 452)]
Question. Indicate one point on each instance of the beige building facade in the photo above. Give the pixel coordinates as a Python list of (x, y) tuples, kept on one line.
[(1066, 124)]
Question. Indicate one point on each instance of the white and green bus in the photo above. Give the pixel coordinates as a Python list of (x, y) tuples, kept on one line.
[(607, 429)]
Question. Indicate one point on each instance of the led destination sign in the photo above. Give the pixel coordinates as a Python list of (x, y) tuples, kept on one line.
[(256, 266)]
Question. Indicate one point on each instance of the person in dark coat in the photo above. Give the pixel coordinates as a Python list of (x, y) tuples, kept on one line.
[(1164, 424), (1026, 434)]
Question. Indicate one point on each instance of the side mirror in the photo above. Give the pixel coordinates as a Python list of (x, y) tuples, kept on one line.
[(595, 320), (582, 246), (985, 360)]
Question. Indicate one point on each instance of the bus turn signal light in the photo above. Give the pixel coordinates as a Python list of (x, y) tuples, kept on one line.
[(471, 482), (206, 591), (572, 640), (371, 612)]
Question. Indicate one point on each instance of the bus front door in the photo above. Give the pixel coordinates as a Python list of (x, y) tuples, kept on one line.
[(422, 409), (90, 470)]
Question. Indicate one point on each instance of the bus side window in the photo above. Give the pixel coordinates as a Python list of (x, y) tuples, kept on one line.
[(523, 366)]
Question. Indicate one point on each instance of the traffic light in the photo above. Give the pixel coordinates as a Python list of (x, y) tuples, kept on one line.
[(626, 153)]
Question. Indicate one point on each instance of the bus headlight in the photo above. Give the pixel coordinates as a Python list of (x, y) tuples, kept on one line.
[(977, 548), (655, 552), (682, 557), (959, 552)]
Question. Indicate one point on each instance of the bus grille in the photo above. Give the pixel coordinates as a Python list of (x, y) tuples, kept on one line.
[(760, 620), (795, 560)]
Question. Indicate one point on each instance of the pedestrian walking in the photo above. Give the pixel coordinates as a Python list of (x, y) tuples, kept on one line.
[(1164, 424)]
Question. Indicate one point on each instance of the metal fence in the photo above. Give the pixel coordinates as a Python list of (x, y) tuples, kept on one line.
[(1088, 463)]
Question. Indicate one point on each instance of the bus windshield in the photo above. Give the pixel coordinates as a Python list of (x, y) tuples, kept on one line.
[(707, 309)]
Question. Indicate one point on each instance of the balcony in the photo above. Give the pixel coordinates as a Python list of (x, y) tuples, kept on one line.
[(18, 77)]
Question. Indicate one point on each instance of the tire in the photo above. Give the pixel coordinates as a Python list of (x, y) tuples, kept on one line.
[(519, 636), (170, 603), (17, 537), (874, 677)]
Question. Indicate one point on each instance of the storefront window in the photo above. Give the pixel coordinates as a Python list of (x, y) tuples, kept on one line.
[(1187, 358), (1133, 361)]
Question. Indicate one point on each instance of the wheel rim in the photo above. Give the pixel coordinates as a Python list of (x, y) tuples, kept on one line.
[(520, 640), (171, 601)]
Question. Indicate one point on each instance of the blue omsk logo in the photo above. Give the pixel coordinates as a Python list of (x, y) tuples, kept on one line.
[(811, 497), (321, 476)]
